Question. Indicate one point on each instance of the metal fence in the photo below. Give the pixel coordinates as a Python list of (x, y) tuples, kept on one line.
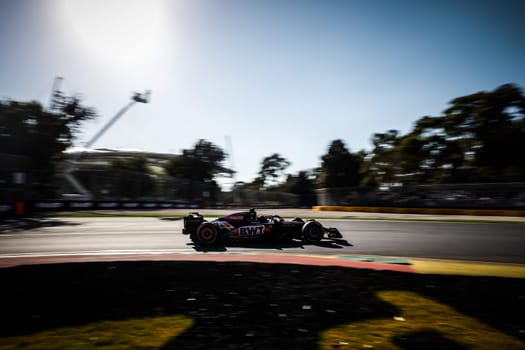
[(254, 198), (471, 195)]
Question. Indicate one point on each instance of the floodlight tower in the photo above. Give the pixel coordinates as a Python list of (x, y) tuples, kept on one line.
[(70, 167)]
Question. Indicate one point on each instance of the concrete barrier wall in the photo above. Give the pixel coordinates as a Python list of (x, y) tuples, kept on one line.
[(31, 207), (21, 208)]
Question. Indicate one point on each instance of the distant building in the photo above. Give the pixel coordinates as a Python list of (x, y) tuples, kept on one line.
[(88, 174)]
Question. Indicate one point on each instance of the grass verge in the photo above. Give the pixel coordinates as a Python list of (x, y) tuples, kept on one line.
[(262, 306), (147, 333)]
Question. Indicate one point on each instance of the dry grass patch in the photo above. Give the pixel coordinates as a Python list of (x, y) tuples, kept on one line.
[(147, 333)]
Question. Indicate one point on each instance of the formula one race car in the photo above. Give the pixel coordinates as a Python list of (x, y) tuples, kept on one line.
[(247, 225)]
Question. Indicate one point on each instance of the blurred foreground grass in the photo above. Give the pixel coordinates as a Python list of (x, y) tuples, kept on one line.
[(214, 305), (147, 333)]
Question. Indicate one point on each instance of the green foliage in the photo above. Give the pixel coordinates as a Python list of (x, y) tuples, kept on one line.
[(339, 167), (272, 168), (198, 167), (201, 163), (491, 128), (479, 138), (28, 130), (382, 164)]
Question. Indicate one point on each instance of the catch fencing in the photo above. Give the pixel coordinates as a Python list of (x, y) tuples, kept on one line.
[(472, 195)]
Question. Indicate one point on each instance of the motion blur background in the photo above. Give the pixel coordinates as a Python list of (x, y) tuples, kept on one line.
[(262, 103)]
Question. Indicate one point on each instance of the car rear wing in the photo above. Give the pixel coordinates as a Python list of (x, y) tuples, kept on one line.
[(191, 222)]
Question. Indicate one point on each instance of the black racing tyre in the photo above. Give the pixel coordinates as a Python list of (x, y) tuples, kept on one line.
[(312, 232), (206, 234)]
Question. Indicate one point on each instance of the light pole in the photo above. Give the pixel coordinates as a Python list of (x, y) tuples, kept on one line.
[(70, 166)]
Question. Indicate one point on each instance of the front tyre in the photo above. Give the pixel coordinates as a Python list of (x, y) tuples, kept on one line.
[(312, 232), (206, 234)]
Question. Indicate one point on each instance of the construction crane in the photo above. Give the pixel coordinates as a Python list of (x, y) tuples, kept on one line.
[(71, 163), (136, 98)]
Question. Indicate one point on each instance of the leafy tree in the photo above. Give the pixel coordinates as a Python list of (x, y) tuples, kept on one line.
[(490, 130), (199, 166), (256, 184), (203, 162), (303, 185), (28, 130), (479, 138), (382, 163), (339, 167), (272, 168)]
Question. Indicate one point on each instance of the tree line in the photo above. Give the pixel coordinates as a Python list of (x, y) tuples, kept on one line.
[(478, 138)]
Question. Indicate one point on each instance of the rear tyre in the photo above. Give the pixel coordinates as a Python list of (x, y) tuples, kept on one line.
[(206, 234), (312, 232)]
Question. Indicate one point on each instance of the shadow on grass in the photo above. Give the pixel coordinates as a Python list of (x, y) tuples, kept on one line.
[(242, 305), (426, 340)]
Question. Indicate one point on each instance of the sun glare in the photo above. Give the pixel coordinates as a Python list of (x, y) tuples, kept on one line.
[(123, 33)]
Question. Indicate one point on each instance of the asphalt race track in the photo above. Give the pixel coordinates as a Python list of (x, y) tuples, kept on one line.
[(51, 298), (489, 242)]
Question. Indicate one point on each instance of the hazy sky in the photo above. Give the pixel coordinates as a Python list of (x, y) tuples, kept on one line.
[(275, 76)]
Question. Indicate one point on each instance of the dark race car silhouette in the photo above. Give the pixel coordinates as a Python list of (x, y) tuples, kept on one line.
[(247, 225)]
